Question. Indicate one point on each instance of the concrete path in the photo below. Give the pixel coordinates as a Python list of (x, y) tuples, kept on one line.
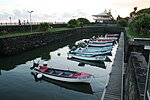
[(114, 88)]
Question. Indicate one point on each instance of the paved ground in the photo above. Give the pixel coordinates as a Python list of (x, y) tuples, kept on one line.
[(114, 88)]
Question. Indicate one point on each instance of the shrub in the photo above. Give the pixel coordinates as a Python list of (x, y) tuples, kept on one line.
[(73, 23), (123, 22), (44, 26), (141, 24)]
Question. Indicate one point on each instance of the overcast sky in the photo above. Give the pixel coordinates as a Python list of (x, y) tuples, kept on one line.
[(64, 10)]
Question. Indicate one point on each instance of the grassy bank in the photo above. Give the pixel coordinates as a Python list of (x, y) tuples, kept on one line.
[(14, 34), (131, 34)]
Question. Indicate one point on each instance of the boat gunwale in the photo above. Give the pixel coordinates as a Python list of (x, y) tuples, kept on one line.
[(63, 76)]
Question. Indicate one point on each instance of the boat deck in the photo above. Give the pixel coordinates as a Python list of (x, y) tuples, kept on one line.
[(113, 90)]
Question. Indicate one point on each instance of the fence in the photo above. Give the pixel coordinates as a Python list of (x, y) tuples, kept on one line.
[(27, 23)]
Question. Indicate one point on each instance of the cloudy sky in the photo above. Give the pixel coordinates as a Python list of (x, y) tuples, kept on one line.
[(63, 10)]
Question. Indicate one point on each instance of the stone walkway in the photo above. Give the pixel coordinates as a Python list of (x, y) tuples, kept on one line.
[(114, 88)]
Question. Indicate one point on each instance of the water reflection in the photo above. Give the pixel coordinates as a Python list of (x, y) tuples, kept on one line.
[(80, 87), (23, 83), (82, 62), (10, 62)]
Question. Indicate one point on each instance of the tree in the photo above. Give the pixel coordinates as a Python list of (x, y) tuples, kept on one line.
[(123, 22), (135, 8), (73, 23), (119, 18), (83, 20), (44, 26), (141, 24), (132, 14), (146, 10)]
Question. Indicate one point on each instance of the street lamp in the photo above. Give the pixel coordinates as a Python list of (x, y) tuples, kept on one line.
[(148, 73), (30, 19), (10, 19)]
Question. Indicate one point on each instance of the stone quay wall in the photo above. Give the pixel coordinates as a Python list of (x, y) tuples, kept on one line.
[(136, 59), (13, 45), (135, 45), (135, 77), (16, 28)]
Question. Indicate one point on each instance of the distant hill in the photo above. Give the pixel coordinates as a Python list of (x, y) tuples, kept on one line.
[(146, 10)]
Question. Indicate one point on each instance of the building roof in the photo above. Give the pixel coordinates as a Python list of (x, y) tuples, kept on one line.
[(99, 19), (101, 15)]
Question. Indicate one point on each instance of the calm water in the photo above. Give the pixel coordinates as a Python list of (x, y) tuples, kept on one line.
[(17, 81)]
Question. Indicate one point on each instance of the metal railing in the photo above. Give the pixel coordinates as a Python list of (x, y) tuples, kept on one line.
[(23, 23)]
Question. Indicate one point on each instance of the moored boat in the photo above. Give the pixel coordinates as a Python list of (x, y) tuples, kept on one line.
[(101, 41), (88, 57), (91, 50), (63, 75), (100, 44), (82, 87), (112, 35), (106, 38)]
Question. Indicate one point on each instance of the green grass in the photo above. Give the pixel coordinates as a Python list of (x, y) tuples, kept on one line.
[(61, 29), (14, 34), (132, 34), (58, 29)]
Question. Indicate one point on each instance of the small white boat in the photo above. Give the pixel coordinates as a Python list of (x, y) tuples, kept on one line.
[(62, 75), (88, 57), (100, 41), (91, 50), (112, 35), (82, 87), (105, 38), (100, 44)]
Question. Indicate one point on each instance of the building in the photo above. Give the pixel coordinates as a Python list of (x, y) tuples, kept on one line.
[(104, 17)]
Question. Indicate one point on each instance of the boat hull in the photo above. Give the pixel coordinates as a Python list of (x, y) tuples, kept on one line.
[(73, 80), (95, 58), (92, 50), (100, 44), (84, 79), (95, 53), (101, 41)]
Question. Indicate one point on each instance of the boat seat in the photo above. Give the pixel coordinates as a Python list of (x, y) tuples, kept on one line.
[(51, 72), (60, 73), (56, 72), (66, 74)]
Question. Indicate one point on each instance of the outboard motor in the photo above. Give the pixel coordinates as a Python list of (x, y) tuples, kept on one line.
[(73, 48), (36, 63), (45, 63)]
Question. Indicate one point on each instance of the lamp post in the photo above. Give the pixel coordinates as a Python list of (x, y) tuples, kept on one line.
[(30, 19), (148, 73), (10, 19)]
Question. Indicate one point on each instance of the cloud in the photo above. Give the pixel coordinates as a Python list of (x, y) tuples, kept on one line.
[(17, 13), (39, 17), (81, 13), (5, 16), (68, 15)]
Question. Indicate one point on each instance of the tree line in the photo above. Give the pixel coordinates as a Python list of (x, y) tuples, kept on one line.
[(139, 21)]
